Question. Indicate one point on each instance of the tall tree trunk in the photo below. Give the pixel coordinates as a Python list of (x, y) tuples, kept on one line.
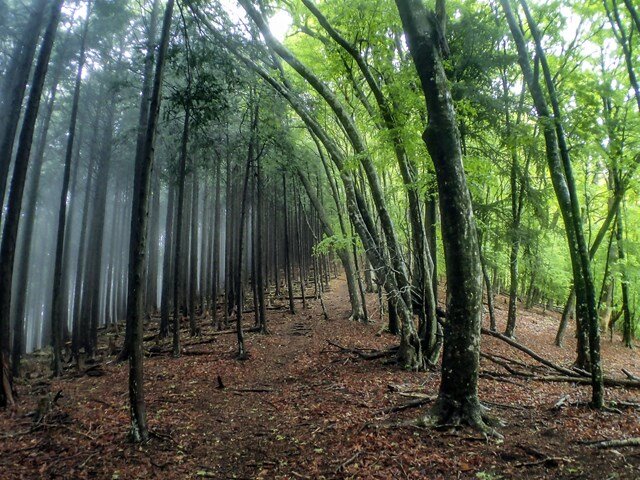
[(215, 279), (287, 246), (137, 245), (12, 215), (564, 186), (96, 230), (14, 87), (458, 395), (56, 309), (193, 328), (242, 353), (168, 266), (28, 223), (627, 321), (262, 313), (177, 277)]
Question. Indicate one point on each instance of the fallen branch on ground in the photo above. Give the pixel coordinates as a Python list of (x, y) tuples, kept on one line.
[(624, 442), (531, 353), (608, 381), (366, 355), (505, 365), (418, 402)]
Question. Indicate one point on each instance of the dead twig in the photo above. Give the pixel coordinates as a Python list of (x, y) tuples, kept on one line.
[(348, 462), (418, 402), (365, 355), (624, 442), (548, 461)]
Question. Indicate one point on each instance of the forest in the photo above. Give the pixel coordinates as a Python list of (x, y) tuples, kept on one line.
[(317, 239)]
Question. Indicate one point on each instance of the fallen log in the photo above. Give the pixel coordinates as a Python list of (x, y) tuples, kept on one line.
[(608, 381), (532, 354)]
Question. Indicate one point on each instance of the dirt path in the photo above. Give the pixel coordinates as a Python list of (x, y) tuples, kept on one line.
[(300, 408)]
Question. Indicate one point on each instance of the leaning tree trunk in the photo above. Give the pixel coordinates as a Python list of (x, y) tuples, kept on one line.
[(564, 186), (458, 395), (14, 203)]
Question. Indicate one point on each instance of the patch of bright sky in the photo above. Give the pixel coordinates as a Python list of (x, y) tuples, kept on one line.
[(279, 23)]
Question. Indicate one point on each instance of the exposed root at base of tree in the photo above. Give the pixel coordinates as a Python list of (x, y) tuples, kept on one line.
[(447, 413)]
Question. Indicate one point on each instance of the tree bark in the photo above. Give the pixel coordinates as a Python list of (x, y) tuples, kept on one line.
[(564, 186), (458, 395), (14, 87), (14, 203), (135, 302)]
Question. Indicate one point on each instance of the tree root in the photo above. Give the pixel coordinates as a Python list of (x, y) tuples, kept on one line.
[(447, 413)]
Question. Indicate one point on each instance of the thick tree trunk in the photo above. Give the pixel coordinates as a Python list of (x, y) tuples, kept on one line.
[(458, 396)]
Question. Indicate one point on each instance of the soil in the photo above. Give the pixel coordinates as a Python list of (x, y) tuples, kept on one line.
[(301, 408)]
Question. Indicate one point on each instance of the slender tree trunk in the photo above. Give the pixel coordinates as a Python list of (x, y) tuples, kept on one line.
[(56, 309), (12, 215), (262, 313), (168, 266), (137, 245), (287, 256), (242, 353), (215, 279), (193, 328), (627, 321), (28, 223), (14, 87), (177, 277)]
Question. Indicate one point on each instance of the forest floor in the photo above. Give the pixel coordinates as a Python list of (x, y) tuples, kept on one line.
[(301, 408)]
